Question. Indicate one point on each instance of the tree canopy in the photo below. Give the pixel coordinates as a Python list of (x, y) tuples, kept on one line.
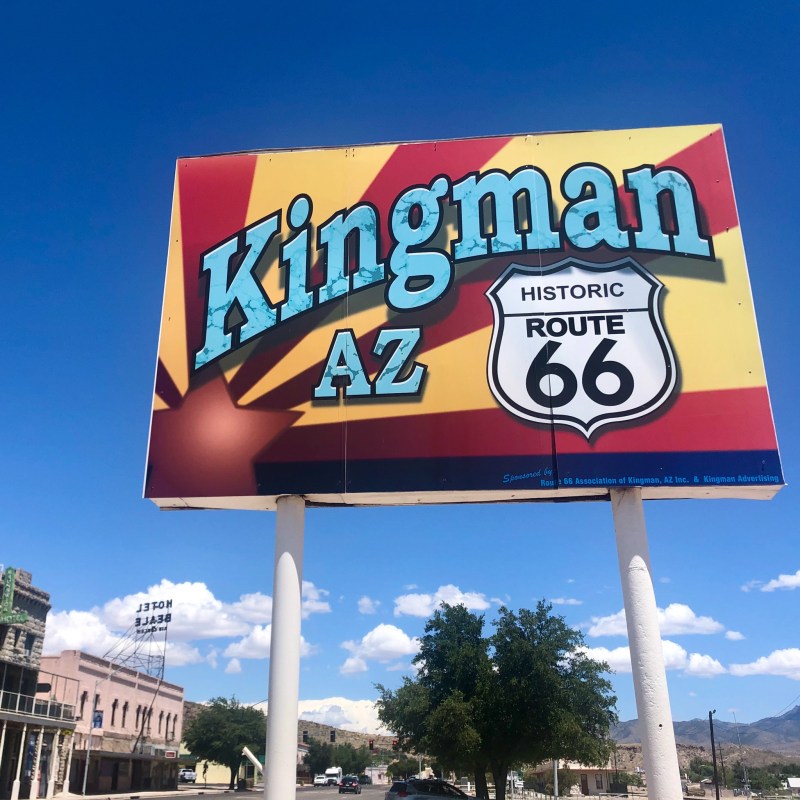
[(322, 755), (220, 731), (524, 694)]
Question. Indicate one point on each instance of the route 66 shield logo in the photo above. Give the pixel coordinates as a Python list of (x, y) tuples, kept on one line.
[(579, 344)]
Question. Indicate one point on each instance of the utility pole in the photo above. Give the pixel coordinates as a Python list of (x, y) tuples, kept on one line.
[(713, 751), (722, 761), (746, 784)]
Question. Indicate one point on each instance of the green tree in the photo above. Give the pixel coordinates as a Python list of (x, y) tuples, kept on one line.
[(437, 713), (352, 761), (403, 767), (220, 731), (525, 694), (319, 756)]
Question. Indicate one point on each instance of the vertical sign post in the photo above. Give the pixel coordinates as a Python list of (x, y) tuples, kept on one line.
[(280, 770), (585, 278), (644, 638)]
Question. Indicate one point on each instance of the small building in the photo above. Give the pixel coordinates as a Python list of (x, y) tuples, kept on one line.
[(37, 708), (590, 780), (793, 785)]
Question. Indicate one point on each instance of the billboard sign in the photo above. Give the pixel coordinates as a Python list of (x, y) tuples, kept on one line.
[(503, 318)]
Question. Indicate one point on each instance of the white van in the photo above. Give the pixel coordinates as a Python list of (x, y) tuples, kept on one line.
[(333, 775)]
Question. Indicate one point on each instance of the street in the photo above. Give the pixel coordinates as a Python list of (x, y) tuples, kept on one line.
[(305, 792)]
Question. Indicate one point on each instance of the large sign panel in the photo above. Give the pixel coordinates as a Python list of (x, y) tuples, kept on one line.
[(507, 318)]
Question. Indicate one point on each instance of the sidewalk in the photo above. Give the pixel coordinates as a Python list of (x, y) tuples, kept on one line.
[(190, 789)]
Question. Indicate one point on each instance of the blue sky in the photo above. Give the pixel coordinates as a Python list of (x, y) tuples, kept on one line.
[(97, 104)]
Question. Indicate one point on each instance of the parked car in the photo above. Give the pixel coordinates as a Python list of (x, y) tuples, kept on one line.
[(349, 784), (320, 780), (422, 789), (187, 775), (364, 780)]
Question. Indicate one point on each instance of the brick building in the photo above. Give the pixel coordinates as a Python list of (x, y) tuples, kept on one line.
[(37, 709)]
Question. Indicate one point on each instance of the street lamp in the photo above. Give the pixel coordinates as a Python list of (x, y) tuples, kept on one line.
[(713, 750)]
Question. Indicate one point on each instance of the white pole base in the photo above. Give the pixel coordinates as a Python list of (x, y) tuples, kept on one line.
[(644, 638), (280, 770)]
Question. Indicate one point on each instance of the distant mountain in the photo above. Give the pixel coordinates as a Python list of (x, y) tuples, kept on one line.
[(779, 734)]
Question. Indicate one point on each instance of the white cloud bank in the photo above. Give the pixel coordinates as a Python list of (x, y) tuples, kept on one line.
[(384, 643), (675, 658), (196, 614), (675, 619), (787, 582), (360, 716), (423, 605), (366, 605), (785, 663)]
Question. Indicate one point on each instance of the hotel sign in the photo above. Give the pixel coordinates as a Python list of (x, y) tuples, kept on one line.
[(7, 614), (539, 316)]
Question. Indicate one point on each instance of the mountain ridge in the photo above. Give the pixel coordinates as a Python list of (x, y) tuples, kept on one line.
[(778, 734)]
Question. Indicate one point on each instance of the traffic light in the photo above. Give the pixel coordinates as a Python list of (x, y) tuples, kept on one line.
[(371, 744), (394, 744), (333, 736), (305, 737)]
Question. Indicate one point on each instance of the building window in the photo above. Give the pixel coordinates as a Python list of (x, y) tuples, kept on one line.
[(114, 712), (160, 722), (166, 733), (149, 715), (30, 641), (84, 698), (598, 780), (174, 720), (124, 713), (138, 716)]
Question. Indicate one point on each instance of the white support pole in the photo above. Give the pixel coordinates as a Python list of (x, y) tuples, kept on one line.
[(15, 786), (68, 767), (37, 758), (2, 743), (647, 659), (55, 763), (280, 771)]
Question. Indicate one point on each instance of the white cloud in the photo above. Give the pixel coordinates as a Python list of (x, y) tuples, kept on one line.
[(618, 659), (257, 643), (195, 614), (383, 643), (734, 636), (566, 601), (423, 605), (783, 582), (675, 619), (703, 666), (785, 663), (77, 630), (313, 602), (612, 625), (366, 605), (352, 715), (664, 579), (353, 666), (179, 654), (255, 608), (750, 585), (675, 658), (234, 667)]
